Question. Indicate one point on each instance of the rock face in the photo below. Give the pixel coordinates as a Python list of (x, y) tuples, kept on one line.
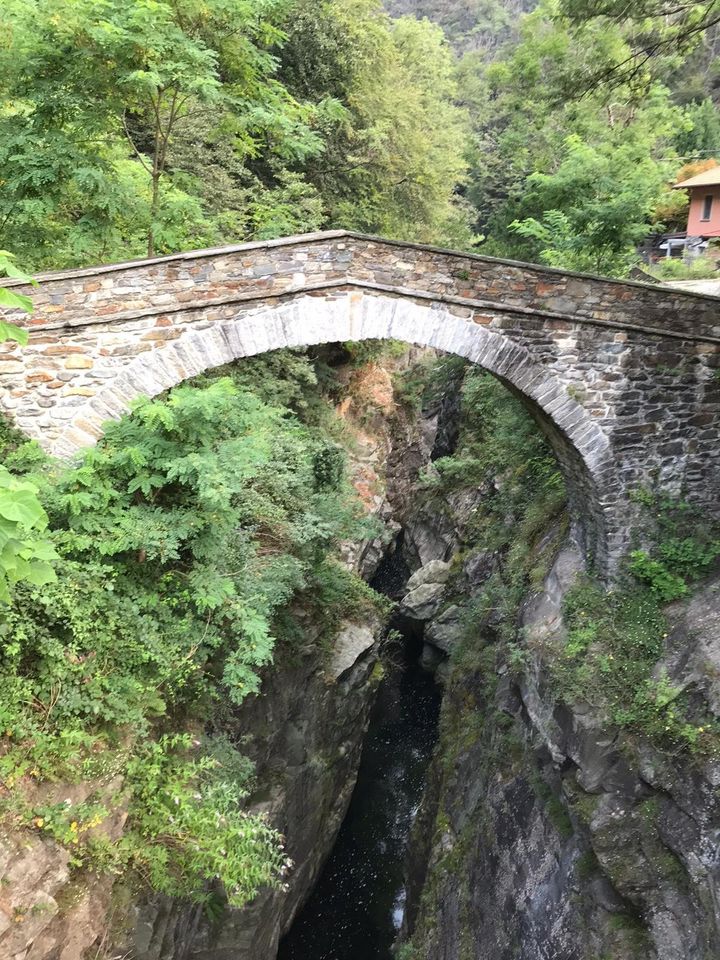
[(48, 911), (435, 572), (34, 873), (308, 726), (423, 602), (352, 642), (307, 729), (445, 631), (549, 838)]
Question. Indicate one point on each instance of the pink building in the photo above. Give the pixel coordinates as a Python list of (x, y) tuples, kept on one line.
[(704, 212)]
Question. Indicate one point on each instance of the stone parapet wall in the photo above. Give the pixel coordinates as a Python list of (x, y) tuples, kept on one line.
[(261, 270)]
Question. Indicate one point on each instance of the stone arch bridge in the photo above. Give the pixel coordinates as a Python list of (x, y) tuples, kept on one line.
[(624, 378)]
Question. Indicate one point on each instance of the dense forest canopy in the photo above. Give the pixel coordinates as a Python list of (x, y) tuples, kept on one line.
[(151, 126), (468, 24), (582, 114)]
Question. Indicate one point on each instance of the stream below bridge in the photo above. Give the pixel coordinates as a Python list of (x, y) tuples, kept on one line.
[(357, 907)]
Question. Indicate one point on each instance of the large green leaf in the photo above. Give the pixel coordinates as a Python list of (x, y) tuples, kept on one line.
[(8, 331), (15, 301), (11, 269), (40, 573), (22, 505)]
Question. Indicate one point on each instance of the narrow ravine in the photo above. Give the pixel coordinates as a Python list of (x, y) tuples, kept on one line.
[(357, 907)]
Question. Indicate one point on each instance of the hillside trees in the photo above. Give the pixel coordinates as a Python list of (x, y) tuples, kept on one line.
[(97, 93), (468, 24), (392, 164), (582, 113), (158, 125), (573, 181), (657, 31), (594, 211), (699, 139), (150, 126)]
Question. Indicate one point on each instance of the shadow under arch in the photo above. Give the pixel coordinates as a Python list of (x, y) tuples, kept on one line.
[(582, 448)]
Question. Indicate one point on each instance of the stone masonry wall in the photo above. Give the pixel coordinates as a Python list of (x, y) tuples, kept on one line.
[(623, 377)]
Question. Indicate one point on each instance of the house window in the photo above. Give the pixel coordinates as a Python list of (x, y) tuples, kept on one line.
[(707, 207)]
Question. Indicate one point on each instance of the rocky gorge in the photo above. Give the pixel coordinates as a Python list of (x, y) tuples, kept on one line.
[(547, 829)]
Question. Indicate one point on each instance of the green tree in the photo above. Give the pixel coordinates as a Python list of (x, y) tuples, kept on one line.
[(99, 95), (699, 138), (395, 157), (658, 33), (160, 73), (587, 176), (595, 209)]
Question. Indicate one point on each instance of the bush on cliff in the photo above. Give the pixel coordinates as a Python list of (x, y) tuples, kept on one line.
[(183, 539)]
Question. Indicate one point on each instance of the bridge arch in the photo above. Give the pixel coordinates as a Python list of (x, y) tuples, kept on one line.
[(582, 449), (623, 377)]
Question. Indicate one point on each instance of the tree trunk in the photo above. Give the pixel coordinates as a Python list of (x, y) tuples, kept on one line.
[(154, 204)]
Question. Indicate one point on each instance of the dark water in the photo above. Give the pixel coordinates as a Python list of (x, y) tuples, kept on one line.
[(357, 907)]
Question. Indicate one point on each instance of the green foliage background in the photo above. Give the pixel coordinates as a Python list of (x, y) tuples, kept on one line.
[(159, 125), (153, 126)]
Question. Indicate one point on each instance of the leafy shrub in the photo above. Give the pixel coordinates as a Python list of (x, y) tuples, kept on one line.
[(614, 641), (25, 554), (666, 586), (671, 268), (329, 466), (183, 541), (616, 638), (689, 556), (187, 822), (685, 546)]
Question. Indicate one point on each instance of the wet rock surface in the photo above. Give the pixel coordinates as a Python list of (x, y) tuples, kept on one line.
[(357, 907)]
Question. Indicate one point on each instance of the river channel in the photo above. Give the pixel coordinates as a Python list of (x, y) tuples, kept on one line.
[(357, 906)]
